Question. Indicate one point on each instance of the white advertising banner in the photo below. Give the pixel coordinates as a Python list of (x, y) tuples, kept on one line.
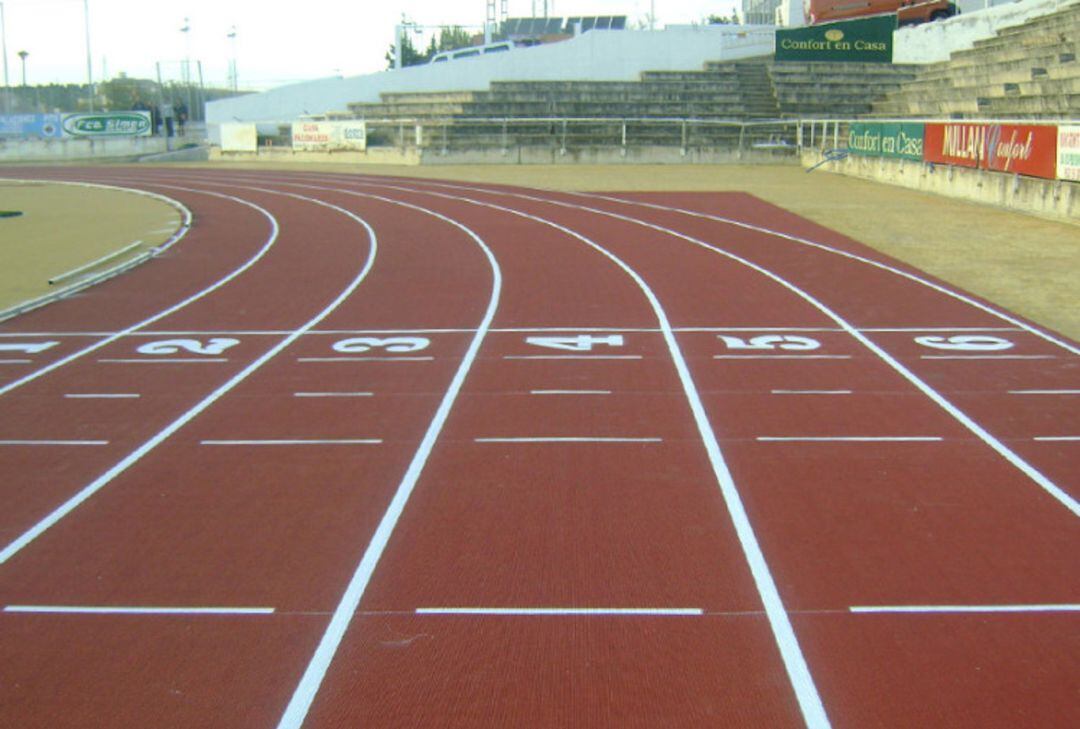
[(239, 138), (1068, 153), (324, 136)]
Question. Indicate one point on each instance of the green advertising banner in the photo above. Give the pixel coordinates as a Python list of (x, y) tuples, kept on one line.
[(902, 140), (868, 41)]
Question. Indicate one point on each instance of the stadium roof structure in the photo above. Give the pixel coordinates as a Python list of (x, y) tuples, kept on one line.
[(514, 28)]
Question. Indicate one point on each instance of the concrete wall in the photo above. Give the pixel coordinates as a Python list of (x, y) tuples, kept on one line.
[(934, 42), (593, 56), (59, 150), (1054, 199)]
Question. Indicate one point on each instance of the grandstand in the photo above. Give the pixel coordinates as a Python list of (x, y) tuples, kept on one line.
[(1027, 71)]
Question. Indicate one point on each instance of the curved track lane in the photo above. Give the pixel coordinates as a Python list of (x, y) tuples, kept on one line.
[(562, 555)]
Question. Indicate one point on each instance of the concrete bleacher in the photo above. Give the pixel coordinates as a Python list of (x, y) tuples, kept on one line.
[(1024, 71)]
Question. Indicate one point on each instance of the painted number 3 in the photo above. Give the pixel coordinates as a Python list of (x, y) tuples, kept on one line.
[(390, 344)]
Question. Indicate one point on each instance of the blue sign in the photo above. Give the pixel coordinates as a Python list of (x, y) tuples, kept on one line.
[(42, 126)]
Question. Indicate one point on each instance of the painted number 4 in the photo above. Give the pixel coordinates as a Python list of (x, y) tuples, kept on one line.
[(788, 342), (578, 343)]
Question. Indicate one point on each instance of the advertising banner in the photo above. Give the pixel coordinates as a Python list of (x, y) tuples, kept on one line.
[(239, 138), (886, 139), (869, 40), (1068, 153), (1021, 148), (42, 126), (108, 124), (325, 136)]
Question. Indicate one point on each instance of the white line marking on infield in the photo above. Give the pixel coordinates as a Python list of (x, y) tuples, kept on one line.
[(851, 439), (333, 394), (53, 442), (569, 392), (283, 441), (568, 439), (101, 395), (1049, 608), (1053, 438), (572, 356), (124, 610), (1044, 392), (652, 612)]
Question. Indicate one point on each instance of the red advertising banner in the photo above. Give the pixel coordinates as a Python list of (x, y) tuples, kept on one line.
[(1022, 148)]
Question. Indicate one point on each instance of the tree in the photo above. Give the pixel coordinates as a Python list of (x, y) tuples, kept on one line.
[(450, 38)]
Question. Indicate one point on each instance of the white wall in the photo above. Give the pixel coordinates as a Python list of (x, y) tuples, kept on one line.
[(596, 55), (934, 42)]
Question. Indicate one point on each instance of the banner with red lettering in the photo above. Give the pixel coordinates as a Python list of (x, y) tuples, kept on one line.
[(1022, 148)]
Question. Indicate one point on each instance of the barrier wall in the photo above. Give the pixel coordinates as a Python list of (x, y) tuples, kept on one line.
[(54, 150)]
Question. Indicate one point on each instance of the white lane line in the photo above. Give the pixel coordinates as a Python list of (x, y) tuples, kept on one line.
[(850, 439), (569, 392), (781, 356), (554, 611), (836, 251), (165, 360), (986, 437), (333, 394), (812, 392), (305, 692), (987, 356), (53, 442), (125, 610), (16, 361), (572, 356), (364, 359), (568, 439), (1044, 392), (99, 483), (1048, 608), (802, 682), (283, 441), (1052, 438), (101, 395)]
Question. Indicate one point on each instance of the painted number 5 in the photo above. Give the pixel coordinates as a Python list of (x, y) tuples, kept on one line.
[(217, 345), (390, 344), (788, 342)]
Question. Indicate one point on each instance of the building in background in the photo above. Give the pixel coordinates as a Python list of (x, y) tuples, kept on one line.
[(759, 12)]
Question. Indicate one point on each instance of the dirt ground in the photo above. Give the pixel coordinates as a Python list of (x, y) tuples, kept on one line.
[(63, 227), (1025, 264)]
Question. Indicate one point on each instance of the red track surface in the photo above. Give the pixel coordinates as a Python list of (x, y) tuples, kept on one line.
[(459, 449)]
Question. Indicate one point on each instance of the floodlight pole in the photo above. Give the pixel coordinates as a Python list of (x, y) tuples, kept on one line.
[(89, 62), (3, 42), (232, 39)]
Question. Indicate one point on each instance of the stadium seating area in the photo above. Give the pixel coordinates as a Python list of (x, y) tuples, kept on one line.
[(1028, 71)]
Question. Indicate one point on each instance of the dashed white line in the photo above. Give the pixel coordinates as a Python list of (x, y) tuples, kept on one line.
[(569, 392), (1048, 608), (556, 611), (851, 439), (987, 356), (1058, 438), (1044, 392), (333, 394), (101, 395), (16, 361), (127, 610), (165, 360), (53, 442), (812, 392), (781, 356), (568, 439), (364, 359), (296, 441), (572, 356)]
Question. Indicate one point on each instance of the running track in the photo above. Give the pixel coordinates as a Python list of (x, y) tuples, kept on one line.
[(363, 452)]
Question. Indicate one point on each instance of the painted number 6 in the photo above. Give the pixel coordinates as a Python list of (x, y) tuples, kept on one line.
[(966, 342)]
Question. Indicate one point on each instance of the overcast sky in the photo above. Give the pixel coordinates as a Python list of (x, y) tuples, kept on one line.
[(276, 42)]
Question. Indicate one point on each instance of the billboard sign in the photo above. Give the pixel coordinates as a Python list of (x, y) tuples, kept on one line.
[(868, 40), (902, 140), (1068, 153), (42, 126), (324, 136), (239, 138), (1021, 148), (108, 124)]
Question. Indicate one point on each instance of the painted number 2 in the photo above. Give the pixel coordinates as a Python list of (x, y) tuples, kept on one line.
[(966, 343), (216, 345), (390, 344), (788, 342), (578, 343)]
